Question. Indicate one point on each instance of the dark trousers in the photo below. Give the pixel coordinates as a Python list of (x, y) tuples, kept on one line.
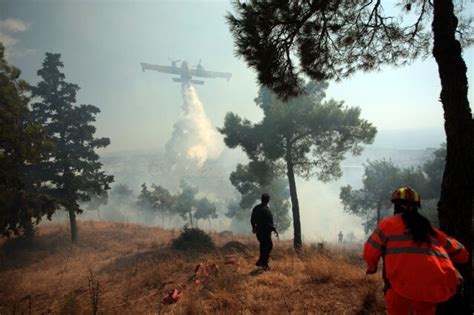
[(266, 245)]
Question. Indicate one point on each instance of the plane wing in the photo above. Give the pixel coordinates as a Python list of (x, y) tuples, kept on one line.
[(211, 74), (165, 69)]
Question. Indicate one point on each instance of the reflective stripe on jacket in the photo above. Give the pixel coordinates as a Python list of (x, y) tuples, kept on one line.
[(420, 272)]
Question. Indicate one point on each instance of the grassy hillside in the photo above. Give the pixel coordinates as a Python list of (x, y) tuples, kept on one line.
[(129, 269)]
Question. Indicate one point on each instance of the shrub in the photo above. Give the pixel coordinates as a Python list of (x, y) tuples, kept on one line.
[(193, 239)]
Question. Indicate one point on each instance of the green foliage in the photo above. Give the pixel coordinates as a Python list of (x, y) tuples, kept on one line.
[(158, 199), (303, 136), (163, 200), (193, 239), (251, 181), (23, 144), (317, 135), (188, 207), (283, 40), (234, 210), (145, 199), (205, 209), (73, 169), (382, 177), (185, 201)]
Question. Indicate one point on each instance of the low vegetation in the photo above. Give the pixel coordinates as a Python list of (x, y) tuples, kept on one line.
[(193, 239), (124, 268)]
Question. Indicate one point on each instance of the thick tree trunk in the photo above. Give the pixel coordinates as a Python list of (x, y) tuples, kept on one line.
[(29, 230), (379, 206), (294, 201), (456, 200), (73, 224)]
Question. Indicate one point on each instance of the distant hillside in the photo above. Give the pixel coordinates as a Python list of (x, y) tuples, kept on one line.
[(213, 177), (153, 167), (411, 139)]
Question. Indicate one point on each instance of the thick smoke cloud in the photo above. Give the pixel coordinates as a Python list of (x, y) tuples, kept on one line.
[(193, 136)]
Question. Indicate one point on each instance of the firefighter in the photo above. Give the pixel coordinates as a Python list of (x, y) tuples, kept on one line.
[(262, 225), (340, 237), (418, 259)]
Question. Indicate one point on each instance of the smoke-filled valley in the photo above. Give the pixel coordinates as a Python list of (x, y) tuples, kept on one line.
[(321, 207)]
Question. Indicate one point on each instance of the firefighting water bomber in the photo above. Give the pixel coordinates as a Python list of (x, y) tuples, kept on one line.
[(186, 72)]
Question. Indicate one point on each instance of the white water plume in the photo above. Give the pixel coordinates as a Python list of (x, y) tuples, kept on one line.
[(193, 137)]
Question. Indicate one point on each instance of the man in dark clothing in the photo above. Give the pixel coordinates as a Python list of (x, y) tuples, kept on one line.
[(262, 225), (341, 237)]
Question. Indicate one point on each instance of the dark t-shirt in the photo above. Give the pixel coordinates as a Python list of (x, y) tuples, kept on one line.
[(262, 219)]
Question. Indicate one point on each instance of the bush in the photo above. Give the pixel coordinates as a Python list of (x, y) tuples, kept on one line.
[(193, 239)]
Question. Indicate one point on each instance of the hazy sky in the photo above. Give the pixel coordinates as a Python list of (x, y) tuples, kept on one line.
[(103, 42)]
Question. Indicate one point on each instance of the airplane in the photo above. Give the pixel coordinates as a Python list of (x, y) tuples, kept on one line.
[(186, 72)]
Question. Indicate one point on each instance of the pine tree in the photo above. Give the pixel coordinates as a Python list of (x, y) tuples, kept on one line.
[(185, 204), (205, 209), (22, 145), (73, 169), (301, 137), (379, 181)]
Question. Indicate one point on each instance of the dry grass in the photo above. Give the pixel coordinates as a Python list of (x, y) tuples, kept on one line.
[(133, 269)]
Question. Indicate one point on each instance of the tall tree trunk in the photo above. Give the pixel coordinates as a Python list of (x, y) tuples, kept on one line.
[(456, 200), (163, 219), (294, 200), (29, 230), (191, 218), (73, 224), (209, 218), (379, 206)]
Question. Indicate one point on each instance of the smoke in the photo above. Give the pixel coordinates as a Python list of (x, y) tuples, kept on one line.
[(322, 214), (193, 138), (7, 27), (13, 25)]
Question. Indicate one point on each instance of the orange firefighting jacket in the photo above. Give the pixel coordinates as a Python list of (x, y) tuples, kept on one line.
[(420, 272)]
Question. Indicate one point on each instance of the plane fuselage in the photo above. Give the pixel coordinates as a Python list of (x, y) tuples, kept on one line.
[(185, 72)]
